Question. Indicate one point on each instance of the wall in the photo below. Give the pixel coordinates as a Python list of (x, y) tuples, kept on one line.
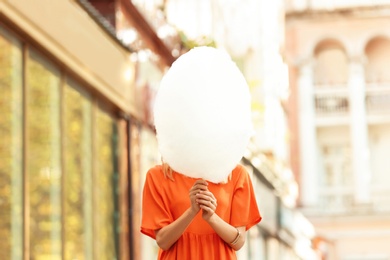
[(110, 72)]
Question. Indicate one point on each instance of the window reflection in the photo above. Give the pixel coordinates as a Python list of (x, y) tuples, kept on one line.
[(78, 173), (70, 199), (43, 158), (105, 182), (10, 147)]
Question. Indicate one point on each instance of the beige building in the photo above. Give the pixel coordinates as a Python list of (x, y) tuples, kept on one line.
[(338, 54), (77, 80)]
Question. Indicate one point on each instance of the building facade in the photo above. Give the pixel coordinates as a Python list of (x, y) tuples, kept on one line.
[(338, 54), (77, 81), (73, 108)]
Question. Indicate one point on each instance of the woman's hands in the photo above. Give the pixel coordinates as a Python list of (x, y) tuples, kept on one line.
[(202, 198), (207, 202), (198, 187), (169, 234)]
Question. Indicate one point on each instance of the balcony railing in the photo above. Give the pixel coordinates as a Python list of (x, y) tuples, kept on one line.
[(340, 200), (331, 101), (321, 5), (378, 99)]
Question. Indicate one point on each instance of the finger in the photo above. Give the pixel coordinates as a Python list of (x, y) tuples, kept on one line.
[(194, 192), (203, 202), (201, 181), (208, 209), (206, 199), (208, 193), (206, 203), (197, 189), (203, 196), (201, 184), (200, 187)]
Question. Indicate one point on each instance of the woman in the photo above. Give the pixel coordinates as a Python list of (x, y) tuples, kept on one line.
[(193, 219)]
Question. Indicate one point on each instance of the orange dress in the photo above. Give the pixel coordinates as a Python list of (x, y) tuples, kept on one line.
[(165, 200)]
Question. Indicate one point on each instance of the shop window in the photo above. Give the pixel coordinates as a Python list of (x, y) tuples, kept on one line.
[(78, 223), (105, 186), (43, 163), (58, 162), (11, 147)]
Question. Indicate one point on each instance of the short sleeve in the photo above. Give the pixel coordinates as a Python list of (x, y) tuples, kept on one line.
[(244, 206), (155, 210)]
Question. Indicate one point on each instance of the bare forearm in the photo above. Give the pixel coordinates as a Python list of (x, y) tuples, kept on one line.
[(169, 234), (227, 232)]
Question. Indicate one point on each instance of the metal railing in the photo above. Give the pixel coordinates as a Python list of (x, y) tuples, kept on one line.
[(331, 101), (320, 5), (378, 99)]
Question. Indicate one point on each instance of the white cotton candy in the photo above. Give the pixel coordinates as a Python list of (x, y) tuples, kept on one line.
[(202, 115)]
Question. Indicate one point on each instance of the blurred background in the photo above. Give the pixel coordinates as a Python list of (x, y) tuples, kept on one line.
[(77, 84)]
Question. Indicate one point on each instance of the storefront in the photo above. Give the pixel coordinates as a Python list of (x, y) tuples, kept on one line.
[(283, 233), (59, 144), (68, 119)]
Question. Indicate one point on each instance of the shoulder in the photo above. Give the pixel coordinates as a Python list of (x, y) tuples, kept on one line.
[(155, 169), (155, 173), (239, 172), (240, 175)]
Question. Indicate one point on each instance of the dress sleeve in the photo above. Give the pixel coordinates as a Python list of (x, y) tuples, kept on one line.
[(244, 206), (155, 210)]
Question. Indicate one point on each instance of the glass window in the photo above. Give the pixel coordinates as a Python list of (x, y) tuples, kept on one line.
[(331, 66), (379, 147), (11, 147), (378, 56), (43, 158), (63, 205), (105, 186), (336, 179), (77, 173), (256, 244), (337, 164)]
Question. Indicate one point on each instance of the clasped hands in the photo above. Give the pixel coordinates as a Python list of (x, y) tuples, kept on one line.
[(202, 198)]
